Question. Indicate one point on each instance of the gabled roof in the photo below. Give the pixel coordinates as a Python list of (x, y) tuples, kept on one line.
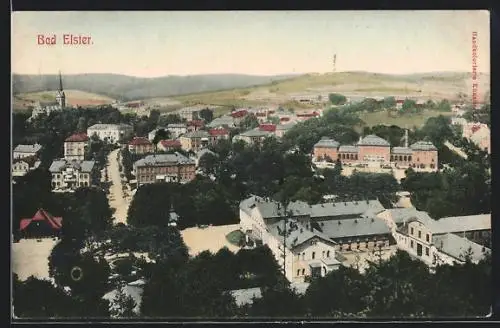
[(297, 234), (163, 159), (170, 143), (239, 113), (326, 142), (28, 148), (401, 150), (61, 164), (218, 132), (463, 223), (354, 227), (345, 208), (457, 247), (255, 133), (137, 141), (373, 140), (267, 127), (42, 215), (77, 137), (423, 145)]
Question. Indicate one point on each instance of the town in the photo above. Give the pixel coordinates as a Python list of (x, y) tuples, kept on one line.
[(309, 196)]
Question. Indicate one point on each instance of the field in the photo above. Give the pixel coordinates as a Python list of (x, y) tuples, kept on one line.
[(30, 257), (211, 238), (73, 98), (408, 120)]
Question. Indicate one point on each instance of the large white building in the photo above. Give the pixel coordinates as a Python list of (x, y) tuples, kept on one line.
[(22, 151), (70, 175), (444, 241), (75, 146), (21, 166), (309, 240), (112, 133)]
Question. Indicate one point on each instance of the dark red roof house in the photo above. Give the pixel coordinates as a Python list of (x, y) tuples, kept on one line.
[(239, 114), (77, 137), (138, 141), (42, 224), (170, 144), (218, 132), (267, 127)]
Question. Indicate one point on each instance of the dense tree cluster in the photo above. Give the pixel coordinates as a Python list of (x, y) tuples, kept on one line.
[(337, 99)]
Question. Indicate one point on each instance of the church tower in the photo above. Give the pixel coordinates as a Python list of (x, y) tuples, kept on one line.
[(60, 96)]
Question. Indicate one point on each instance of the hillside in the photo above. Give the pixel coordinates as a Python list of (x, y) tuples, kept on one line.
[(435, 85), (127, 88), (73, 98)]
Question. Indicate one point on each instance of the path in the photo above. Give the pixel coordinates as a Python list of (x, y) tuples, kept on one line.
[(211, 238), (455, 149), (31, 257), (115, 196)]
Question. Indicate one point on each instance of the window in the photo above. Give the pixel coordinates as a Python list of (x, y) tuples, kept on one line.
[(323, 254), (419, 234), (313, 255), (303, 256), (427, 251), (327, 253), (427, 238), (411, 231), (298, 272), (303, 271), (411, 243), (419, 249)]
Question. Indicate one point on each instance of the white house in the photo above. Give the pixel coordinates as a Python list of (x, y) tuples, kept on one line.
[(21, 166), (177, 129), (110, 132), (70, 175), (22, 151), (438, 241), (308, 240)]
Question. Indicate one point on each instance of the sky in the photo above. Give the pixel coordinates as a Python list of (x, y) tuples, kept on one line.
[(151, 44)]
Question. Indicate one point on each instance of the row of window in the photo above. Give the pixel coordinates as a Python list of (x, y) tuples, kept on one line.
[(313, 255), (57, 184), (419, 248), (419, 234)]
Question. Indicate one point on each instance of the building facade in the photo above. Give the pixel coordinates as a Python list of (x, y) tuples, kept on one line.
[(111, 133), (68, 176), (140, 145), (164, 168), (22, 151), (21, 166), (194, 141), (75, 146), (253, 137)]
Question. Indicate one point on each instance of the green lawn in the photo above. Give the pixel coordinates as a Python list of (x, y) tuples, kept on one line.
[(236, 237), (408, 120)]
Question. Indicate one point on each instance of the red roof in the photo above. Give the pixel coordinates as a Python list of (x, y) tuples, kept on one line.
[(240, 113), (196, 123), (170, 143), (218, 132), (137, 141), (400, 101), (77, 137), (475, 128), (42, 215), (267, 127)]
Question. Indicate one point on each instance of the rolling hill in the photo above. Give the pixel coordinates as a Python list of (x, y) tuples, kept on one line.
[(127, 88)]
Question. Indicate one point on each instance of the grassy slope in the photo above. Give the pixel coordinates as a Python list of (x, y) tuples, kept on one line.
[(408, 120), (73, 97)]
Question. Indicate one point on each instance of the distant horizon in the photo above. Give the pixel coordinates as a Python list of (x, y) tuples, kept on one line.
[(262, 43), (244, 74)]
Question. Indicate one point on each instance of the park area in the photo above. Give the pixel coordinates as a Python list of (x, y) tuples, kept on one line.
[(211, 238), (31, 257)]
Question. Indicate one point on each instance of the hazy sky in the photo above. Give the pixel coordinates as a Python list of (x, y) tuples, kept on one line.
[(152, 44)]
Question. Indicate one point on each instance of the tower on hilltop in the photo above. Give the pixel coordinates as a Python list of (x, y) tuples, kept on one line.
[(60, 96)]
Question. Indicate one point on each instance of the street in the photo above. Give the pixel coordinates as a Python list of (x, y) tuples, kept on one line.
[(116, 197)]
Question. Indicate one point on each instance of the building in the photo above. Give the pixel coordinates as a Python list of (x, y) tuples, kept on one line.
[(373, 149), (21, 166), (140, 145), (239, 115), (42, 224), (223, 121), (164, 168), (195, 125), (177, 129), (190, 113), (68, 176), (443, 241), (218, 134), (481, 136), (169, 145), (111, 133), (252, 137), (22, 151), (313, 234), (52, 106), (268, 127), (75, 146), (281, 129), (194, 140)]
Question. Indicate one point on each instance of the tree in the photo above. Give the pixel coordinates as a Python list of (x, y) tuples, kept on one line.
[(389, 102), (150, 205), (161, 134), (207, 115), (209, 163), (249, 122), (444, 106), (409, 105), (123, 305), (82, 125), (278, 302), (165, 120), (337, 99)]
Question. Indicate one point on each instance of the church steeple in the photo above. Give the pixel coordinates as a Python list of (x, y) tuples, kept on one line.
[(60, 83), (60, 96)]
